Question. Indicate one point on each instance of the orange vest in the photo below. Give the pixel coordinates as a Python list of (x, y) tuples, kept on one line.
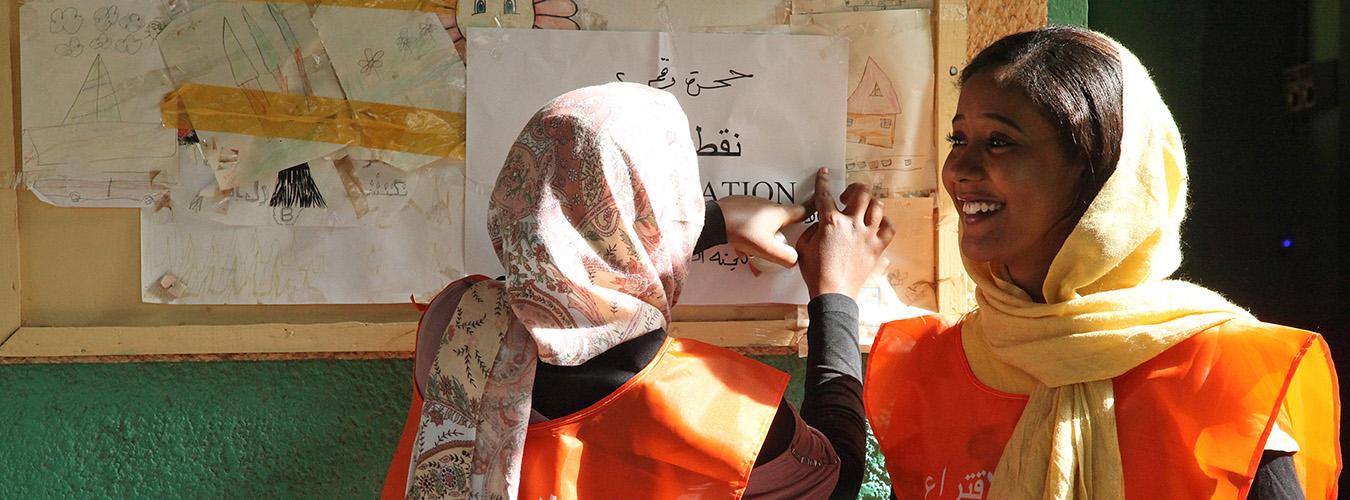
[(1192, 422), (690, 423)]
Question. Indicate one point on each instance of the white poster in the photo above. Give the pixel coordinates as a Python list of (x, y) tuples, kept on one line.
[(765, 111)]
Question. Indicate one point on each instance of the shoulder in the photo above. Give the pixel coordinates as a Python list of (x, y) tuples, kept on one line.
[(1251, 335), (906, 334)]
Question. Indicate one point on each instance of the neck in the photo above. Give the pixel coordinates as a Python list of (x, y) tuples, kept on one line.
[(1030, 277)]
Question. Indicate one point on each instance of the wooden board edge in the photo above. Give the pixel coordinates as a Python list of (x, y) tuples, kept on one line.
[(286, 342), (955, 292), (10, 318)]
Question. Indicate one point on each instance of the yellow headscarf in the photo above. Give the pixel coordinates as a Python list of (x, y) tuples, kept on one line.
[(1109, 308)]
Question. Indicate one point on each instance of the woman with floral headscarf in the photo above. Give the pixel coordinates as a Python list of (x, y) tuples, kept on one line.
[(1084, 372), (561, 382)]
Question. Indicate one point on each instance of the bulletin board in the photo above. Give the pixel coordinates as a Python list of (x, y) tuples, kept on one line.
[(70, 288)]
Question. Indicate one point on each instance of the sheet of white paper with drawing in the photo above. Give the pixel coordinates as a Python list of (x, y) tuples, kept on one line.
[(765, 110), (890, 103), (394, 57), (256, 47), (92, 79), (416, 251)]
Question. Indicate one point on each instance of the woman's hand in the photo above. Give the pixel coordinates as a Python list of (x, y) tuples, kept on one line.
[(841, 250), (753, 223)]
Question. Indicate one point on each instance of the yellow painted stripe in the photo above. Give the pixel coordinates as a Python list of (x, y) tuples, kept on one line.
[(320, 119)]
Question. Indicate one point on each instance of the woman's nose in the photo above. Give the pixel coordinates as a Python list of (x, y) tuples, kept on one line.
[(967, 164)]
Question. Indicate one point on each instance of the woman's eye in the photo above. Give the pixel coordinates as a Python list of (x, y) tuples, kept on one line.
[(998, 142), (956, 141)]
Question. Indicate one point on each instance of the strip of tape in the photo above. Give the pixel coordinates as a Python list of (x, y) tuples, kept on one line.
[(313, 118)]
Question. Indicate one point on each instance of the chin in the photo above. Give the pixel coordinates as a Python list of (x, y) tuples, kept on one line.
[(977, 251)]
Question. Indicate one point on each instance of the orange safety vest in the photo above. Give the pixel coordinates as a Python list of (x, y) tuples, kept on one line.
[(691, 422), (689, 425), (1192, 422)]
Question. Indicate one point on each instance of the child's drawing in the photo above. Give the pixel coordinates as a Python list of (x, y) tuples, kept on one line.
[(96, 100), (372, 61), (398, 57), (873, 109), (261, 49), (241, 67), (67, 20), (538, 14), (91, 131)]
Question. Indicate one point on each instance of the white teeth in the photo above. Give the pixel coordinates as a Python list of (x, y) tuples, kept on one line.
[(976, 207)]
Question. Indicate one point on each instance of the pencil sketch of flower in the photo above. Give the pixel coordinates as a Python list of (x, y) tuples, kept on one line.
[(372, 61)]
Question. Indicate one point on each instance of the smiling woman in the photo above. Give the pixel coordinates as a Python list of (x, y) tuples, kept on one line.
[(1094, 375)]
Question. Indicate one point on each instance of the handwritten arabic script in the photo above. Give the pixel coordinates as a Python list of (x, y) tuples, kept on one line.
[(664, 80)]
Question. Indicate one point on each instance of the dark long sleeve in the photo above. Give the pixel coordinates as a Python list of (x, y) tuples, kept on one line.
[(833, 402), (1276, 478), (714, 227)]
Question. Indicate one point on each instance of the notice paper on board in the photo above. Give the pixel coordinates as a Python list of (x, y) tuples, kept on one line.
[(765, 112)]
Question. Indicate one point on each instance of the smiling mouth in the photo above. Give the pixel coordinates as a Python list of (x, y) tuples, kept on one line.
[(980, 207)]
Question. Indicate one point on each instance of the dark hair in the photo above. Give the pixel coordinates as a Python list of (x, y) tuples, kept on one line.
[(1074, 76)]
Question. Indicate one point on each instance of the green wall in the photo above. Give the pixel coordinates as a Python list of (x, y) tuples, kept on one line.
[(303, 429)]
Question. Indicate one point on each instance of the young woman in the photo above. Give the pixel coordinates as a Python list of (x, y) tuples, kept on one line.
[(560, 382), (1085, 372)]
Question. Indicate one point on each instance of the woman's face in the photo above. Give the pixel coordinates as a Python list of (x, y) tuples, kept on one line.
[(1012, 179)]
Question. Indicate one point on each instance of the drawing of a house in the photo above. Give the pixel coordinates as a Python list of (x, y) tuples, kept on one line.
[(873, 108)]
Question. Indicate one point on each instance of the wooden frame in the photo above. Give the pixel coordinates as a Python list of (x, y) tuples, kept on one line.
[(61, 302)]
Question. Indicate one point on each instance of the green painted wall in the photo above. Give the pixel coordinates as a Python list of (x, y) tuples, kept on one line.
[(306, 429), (1073, 12)]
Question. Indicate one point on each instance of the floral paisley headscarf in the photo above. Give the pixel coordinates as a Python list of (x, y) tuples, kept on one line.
[(594, 216)]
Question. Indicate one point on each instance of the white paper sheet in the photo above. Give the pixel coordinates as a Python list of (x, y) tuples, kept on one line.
[(417, 252), (394, 57), (890, 103), (92, 79), (257, 47), (766, 111)]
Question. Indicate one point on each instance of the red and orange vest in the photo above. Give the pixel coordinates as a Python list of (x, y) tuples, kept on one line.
[(690, 423), (1192, 422)]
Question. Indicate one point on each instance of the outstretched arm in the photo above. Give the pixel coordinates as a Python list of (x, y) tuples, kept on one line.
[(836, 256)]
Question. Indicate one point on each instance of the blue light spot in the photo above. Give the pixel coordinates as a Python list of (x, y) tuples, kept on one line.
[(1287, 243)]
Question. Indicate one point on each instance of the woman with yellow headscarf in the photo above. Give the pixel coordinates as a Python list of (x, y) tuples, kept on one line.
[(1084, 372)]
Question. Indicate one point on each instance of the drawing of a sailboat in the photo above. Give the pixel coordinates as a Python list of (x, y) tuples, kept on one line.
[(94, 114)]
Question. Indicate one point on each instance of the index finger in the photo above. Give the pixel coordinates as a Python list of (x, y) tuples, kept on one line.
[(824, 200)]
